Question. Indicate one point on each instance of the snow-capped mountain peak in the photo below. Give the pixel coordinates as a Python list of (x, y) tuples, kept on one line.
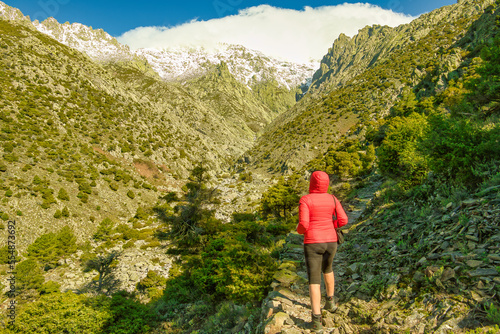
[(248, 66)]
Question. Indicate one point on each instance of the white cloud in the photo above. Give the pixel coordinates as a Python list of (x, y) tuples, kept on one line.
[(289, 34)]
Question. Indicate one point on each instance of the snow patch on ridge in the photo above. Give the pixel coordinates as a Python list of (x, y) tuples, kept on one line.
[(248, 66), (97, 44)]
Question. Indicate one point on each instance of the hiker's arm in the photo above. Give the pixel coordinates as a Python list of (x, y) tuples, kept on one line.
[(303, 217), (341, 215)]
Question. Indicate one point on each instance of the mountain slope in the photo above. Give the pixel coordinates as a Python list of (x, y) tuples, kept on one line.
[(349, 57), (106, 132), (367, 92)]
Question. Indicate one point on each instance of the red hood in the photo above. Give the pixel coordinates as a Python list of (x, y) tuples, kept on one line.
[(319, 182)]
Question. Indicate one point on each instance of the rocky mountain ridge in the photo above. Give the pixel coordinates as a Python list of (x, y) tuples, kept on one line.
[(349, 57), (248, 66)]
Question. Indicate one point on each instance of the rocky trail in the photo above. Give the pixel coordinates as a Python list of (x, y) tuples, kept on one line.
[(384, 286)]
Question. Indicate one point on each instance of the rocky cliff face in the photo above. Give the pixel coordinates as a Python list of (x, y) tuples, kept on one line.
[(349, 57)]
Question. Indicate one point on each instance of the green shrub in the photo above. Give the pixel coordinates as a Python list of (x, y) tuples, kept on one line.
[(145, 234), (141, 213), (170, 197), (127, 233), (461, 149), (29, 275), (10, 157), (399, 154), (493, 314), (49, 248), (58, 214), (84, 187), (151, 244), (66, 240), (129, 244), (131, 194), (233, 270), (343, 164), (50, 287), (58, 313), (6, 254), (83, 197), (65, 212), (152, 280), (486, 87), (128, 315), (227, 317), (63, 195), (246, 177), (44, 250), (279, 200), (104, 230)]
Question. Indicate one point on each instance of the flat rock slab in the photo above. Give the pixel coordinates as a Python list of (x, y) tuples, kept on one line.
[(483, 272)]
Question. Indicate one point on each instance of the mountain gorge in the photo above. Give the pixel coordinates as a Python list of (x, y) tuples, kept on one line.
[(166, 182)]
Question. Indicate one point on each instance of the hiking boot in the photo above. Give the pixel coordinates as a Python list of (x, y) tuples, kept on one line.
[(330, 305), (317, 324)]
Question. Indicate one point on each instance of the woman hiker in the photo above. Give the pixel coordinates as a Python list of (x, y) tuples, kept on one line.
[(316, 222)]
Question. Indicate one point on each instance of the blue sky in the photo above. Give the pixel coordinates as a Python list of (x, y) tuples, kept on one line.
[(117, 17)]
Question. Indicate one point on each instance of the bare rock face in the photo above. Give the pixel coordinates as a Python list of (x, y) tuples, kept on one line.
[(349, 57), (13, 14)]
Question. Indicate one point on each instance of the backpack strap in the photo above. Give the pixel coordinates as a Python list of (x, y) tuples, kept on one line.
[(335, 206)]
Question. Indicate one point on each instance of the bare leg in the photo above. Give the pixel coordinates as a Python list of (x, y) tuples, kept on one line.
[(315, 294), (329, 283)]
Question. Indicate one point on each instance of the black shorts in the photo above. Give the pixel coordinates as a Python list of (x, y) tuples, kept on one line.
[(319, 258)]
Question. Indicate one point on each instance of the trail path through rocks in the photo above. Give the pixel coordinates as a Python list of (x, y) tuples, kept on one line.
[(442, 286), (287, 309)]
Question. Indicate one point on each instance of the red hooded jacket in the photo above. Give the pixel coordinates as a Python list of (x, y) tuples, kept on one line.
[(316, 210)]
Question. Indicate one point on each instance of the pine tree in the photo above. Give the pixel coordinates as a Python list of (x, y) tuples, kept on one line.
[(104, 265)]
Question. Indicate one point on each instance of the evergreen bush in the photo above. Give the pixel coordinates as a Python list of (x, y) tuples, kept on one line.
[(399, 155)]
